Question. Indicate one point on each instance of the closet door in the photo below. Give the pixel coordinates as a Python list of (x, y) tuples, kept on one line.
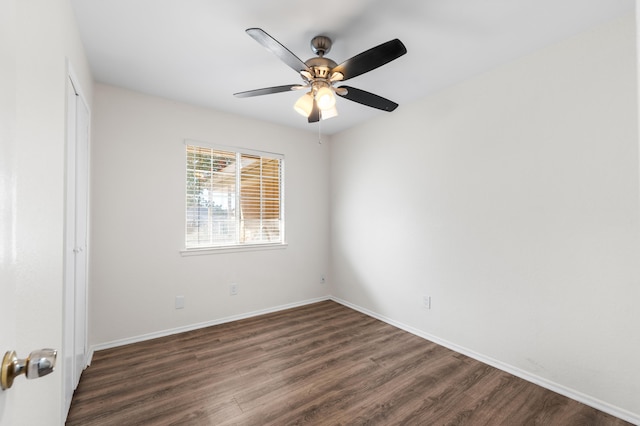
[(76, 220)]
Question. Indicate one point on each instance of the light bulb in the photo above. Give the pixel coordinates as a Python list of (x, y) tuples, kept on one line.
[(304, 105), (325, 98)]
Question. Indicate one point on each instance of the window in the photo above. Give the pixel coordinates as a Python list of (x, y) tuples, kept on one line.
[(234, 197)]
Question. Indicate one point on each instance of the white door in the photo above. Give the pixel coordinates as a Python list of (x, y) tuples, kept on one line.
[(75, 269), (82, 190), (7, 311), (8, 267), (69, 255)]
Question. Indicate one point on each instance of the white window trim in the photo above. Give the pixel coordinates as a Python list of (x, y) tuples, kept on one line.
[(232, 249), (200, 251)]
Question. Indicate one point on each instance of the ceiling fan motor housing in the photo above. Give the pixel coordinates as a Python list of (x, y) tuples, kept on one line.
[(321, 66)]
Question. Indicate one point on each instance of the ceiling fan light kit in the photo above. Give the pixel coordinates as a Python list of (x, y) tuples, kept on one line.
[(304, 105), (325, 98), (320, 74)]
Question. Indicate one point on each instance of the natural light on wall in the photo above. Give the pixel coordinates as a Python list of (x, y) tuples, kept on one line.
[(233, 198)]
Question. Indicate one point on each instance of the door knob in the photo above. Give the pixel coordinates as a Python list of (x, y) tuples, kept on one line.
[(39, 363)]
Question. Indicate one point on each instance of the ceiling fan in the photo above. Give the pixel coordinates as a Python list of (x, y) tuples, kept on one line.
[(320, 74)]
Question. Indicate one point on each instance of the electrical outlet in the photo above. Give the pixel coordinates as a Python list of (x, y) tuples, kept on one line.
[(233, 289), (179, 302), (426, 302)]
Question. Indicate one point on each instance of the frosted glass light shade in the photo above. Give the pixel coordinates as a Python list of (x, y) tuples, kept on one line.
[(304, 105), (325, 98), (329, 113)]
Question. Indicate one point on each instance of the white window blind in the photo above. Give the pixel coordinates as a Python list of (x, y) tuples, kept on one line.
[(233, 198)]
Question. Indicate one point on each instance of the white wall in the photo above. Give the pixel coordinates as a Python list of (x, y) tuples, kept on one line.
[(137, 220), (512, 200), (8, 271), (41, 36)]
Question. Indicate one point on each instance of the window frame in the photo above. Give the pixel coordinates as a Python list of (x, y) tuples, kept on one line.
[(236, 246)]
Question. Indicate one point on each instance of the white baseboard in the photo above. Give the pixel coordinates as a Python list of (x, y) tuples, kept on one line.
[(163, 333), (540, 381)]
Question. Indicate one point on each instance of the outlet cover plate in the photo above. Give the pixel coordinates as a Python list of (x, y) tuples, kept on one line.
[(426, 302), (179, 302)]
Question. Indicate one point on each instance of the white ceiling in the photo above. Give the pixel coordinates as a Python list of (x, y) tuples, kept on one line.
[(196, 51)]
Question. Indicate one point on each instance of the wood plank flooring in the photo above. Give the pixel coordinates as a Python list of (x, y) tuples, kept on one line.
[(320, 364)]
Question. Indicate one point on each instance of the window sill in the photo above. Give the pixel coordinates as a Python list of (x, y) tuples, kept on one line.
[(231, 249)]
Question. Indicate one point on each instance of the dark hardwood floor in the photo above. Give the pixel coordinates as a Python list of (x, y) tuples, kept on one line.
[(317, 364)]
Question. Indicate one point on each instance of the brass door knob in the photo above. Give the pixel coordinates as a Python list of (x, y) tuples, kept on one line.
[(39, 363)]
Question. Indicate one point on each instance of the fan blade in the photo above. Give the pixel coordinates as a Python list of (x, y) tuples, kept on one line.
[(314, 117), (267, 91), (371, 59), (368, 99), (278, 49)]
